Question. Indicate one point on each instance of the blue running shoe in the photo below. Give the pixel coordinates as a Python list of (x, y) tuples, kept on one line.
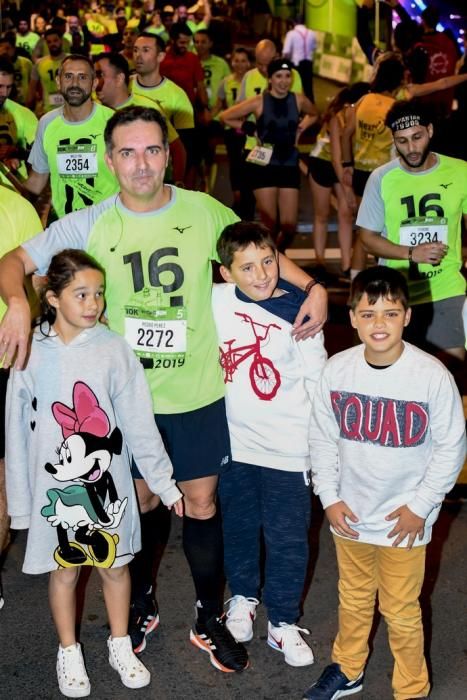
[(333, 684)]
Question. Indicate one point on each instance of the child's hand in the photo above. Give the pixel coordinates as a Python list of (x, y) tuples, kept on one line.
[(177, 507), (408, 525), (337, 514), (315, 307)]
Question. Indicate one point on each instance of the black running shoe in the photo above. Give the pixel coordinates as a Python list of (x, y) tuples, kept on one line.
[(144, 619), (225, 653), (333, 684)]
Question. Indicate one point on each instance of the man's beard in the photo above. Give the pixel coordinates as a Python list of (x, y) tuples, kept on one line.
[(78, 98), (423, 156)]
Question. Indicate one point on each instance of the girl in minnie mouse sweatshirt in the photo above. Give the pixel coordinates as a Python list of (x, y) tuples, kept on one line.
[(75, 415)]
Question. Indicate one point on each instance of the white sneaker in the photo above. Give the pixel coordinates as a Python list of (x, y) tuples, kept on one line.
[(288, 639), (122, 658), (72, 678), (240, 617)]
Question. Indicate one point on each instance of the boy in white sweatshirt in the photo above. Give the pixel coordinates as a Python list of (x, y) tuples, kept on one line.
[(270, 380), (387, 438)]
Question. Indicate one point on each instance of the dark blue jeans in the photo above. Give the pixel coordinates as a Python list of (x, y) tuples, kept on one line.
[(278, 503)]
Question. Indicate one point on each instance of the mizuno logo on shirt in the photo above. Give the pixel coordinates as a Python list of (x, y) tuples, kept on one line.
[(446, 185), (180, 229)]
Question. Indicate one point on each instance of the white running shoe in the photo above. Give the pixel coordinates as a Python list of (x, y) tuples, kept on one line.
[(288, 640), (240, 617), (72, 678), (122, 658)]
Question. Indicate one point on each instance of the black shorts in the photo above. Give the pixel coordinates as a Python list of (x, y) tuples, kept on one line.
[(283, 176), (3, 384), (197, 442), (322, 171), (359, 181)]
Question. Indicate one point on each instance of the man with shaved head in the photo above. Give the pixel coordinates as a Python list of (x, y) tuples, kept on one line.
[(255, 80)]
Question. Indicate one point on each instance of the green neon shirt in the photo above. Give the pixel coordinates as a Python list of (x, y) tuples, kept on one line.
[(394, 196), (73, 154), (154, 261), (172, 99), (215, 70)]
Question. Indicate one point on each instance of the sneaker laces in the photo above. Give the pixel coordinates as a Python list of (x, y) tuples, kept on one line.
[(240, 607), (328, 678), (73, 663), (124, 655), (294, 631)]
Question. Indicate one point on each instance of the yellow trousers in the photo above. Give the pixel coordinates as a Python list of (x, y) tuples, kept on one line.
[(396, 575)]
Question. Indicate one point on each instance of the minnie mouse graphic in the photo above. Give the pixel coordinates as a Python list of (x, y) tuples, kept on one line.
[(91, 503)]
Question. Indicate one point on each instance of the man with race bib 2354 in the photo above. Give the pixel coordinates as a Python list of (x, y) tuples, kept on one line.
[(69, 146)]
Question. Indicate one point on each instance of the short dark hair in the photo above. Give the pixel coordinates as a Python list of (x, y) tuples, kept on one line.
[(117, 61), (406, 34), (178, 28), (158, 40), (128, 115), (6, 66), (379, 282), (206, 32), (52, 31), (406, 113), (79, 57), (242, 49), (239, 236)]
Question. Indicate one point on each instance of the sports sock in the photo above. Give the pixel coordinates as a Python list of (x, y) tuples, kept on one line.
[(152, 541), (203, 547)]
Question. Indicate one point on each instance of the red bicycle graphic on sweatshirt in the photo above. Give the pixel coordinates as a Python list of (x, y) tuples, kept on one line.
[(264, 378)]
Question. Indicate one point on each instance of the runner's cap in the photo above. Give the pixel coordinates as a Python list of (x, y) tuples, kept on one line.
[(278, 64)]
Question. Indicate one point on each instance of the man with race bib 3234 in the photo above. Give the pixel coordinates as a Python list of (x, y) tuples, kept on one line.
[(410, 217)]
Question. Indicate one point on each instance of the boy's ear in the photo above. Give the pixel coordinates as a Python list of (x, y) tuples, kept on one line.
[(353, 320), (225, 272), (408, 316)]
